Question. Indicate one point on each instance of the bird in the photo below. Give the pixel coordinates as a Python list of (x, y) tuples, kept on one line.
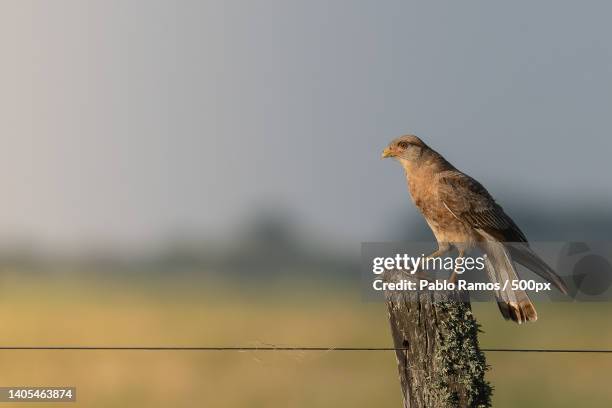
[(463, 216)]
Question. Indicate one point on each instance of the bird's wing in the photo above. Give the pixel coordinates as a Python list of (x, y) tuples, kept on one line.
[(468, 201), (472, 204)]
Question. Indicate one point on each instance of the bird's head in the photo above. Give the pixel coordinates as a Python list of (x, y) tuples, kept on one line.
[(406, 149), (415, 155)]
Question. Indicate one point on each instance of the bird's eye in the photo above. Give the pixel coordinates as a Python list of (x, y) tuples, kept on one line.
[(402, 145)]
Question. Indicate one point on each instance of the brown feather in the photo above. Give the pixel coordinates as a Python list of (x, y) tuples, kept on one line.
[(462, 213)]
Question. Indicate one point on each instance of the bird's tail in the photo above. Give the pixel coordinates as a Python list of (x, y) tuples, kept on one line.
[(513, 304), (524, 255)]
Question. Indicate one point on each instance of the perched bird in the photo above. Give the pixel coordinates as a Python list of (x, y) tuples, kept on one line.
[(462, 215)]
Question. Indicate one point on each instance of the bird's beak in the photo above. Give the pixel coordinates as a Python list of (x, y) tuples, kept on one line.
[(387, 153)]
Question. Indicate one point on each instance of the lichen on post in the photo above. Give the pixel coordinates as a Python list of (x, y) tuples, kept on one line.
[(436, 339)]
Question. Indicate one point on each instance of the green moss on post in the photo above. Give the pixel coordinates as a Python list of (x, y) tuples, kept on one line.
[(440, 363)]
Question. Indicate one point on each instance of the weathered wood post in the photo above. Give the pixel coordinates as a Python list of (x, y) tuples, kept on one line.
[(440, 363)]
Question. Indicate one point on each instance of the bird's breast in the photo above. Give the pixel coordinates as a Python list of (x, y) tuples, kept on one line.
[(442, 222)]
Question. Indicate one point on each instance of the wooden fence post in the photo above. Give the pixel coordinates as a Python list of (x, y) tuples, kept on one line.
[(440, 363)]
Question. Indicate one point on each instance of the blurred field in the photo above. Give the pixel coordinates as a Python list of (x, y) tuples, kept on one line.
[(64, 310)]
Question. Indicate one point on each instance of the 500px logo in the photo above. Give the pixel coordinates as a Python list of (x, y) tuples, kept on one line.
[(585, 267), (588, 268)]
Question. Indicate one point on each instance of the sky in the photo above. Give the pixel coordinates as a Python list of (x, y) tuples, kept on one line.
[(130, 121)]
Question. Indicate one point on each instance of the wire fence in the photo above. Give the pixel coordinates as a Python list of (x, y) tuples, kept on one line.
[(280, 348)]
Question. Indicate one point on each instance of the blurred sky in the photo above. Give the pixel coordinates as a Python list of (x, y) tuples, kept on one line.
[(126, 121)]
